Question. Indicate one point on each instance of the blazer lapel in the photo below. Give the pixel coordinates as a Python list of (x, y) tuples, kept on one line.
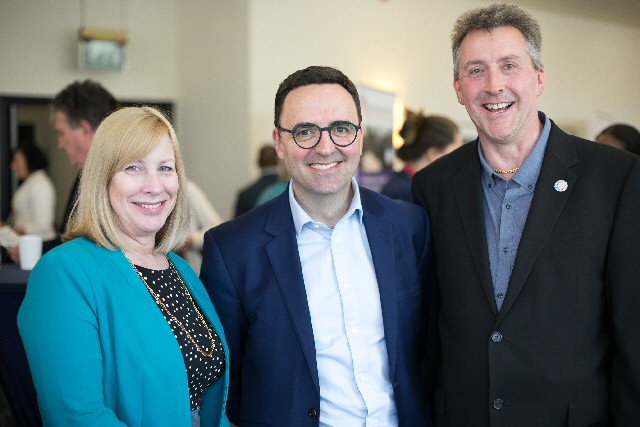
[(546, 207), (470, 207), (381, 242), (285, 260), (120, 263)]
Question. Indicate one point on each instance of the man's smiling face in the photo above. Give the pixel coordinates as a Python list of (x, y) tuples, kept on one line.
[(326, 169), (498, 84)]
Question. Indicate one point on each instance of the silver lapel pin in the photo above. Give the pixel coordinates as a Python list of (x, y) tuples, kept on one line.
[(560, 185)]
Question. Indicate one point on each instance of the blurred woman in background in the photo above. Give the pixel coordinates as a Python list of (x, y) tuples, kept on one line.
[(34, 203), (622, 136), (426, 138)]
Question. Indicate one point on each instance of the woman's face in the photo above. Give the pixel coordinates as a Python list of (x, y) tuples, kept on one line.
[(143, 193), (19, 165)]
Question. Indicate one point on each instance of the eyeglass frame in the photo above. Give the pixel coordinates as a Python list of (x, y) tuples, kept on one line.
[(328, 129)]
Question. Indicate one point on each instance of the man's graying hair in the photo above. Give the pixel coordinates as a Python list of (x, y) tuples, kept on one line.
[(494, 16)]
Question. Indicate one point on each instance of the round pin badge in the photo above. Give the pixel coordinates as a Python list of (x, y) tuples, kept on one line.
[(561, 185)]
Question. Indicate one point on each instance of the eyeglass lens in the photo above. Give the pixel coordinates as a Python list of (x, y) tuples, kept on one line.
[(341, 133)]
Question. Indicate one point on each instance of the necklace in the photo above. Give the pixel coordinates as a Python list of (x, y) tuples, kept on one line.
[(514, 170), (173, 317)]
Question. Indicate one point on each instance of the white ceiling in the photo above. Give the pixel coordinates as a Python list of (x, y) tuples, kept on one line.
[(621, 11)]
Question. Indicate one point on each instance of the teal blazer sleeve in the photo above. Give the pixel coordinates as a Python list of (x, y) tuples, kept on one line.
[(100, 351)]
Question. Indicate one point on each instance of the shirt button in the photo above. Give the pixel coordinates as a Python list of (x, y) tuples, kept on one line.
[(496, 337), (313, 413), (497, 403), (500, 295), (489, 185), (505, 249), (530, 186), (508, 206)]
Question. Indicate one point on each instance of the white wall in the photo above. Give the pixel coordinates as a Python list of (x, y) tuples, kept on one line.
[(213, 109), (221, 61), (39, 45), (404, 47)]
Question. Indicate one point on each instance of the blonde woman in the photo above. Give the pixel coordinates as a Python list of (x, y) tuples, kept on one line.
[(119, 330)]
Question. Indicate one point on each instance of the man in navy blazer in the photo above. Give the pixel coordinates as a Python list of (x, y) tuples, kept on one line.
[(535, 315), (321, 290)]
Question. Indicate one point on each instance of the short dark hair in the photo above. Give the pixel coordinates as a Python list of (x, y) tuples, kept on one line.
[(494, 16), (626, 134), (311, 76), (35, 157), (423, 132), (86, 100), (267, 156)]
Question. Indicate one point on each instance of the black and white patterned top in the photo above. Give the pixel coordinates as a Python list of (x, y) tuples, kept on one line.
[(202, 370)]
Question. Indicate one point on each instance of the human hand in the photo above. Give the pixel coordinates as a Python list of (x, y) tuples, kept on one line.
[(14, 254)]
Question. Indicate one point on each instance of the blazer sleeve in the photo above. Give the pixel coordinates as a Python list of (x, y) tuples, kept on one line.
[(228, 304), (623, 283), (59, 329)]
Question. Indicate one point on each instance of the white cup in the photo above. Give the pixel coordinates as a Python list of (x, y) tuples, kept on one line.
[(30, 251)]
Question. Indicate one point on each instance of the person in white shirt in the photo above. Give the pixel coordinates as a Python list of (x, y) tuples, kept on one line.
[(34, 201), (203, 217), (321, 290)]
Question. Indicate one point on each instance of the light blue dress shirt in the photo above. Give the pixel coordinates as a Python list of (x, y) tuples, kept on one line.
[(346, 317), (506, 206)]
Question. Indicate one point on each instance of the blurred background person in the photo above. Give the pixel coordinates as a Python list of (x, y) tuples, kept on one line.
[(95, 318), (34, 202), (203, 217), (622, 136), (267, 162), (426, 138), (78, 109), (277, 187)]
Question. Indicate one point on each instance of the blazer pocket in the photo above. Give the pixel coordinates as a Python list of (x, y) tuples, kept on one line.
[(591, 411)]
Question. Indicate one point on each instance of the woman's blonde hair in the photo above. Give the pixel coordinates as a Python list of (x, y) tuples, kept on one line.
[(125, 136)]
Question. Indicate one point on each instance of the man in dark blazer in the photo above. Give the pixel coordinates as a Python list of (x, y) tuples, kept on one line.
[(321, 290), (268, 163), (534, 318), (78, 110)]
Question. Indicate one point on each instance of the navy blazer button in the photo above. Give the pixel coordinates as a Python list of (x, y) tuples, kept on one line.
[(496, 337), (497, 404), (313, 413)]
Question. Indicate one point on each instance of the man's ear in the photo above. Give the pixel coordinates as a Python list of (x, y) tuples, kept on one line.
[(456, 87), (277, 143), (86, 127)]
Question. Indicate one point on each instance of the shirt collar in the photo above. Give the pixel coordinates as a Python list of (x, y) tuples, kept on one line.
[(528, 173), (301, 218)]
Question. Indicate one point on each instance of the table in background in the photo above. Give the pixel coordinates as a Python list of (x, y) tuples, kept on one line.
[(14, 368)]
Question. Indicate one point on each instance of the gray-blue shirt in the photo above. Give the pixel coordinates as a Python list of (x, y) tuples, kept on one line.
[(506, 206)]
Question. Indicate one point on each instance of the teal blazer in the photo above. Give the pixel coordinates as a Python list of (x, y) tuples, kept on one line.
[(101, 352)]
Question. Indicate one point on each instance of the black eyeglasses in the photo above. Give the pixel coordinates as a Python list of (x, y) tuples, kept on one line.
[(308, 135)]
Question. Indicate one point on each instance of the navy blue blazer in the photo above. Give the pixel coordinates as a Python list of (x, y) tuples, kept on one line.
[(252, 270), (398, 187)]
